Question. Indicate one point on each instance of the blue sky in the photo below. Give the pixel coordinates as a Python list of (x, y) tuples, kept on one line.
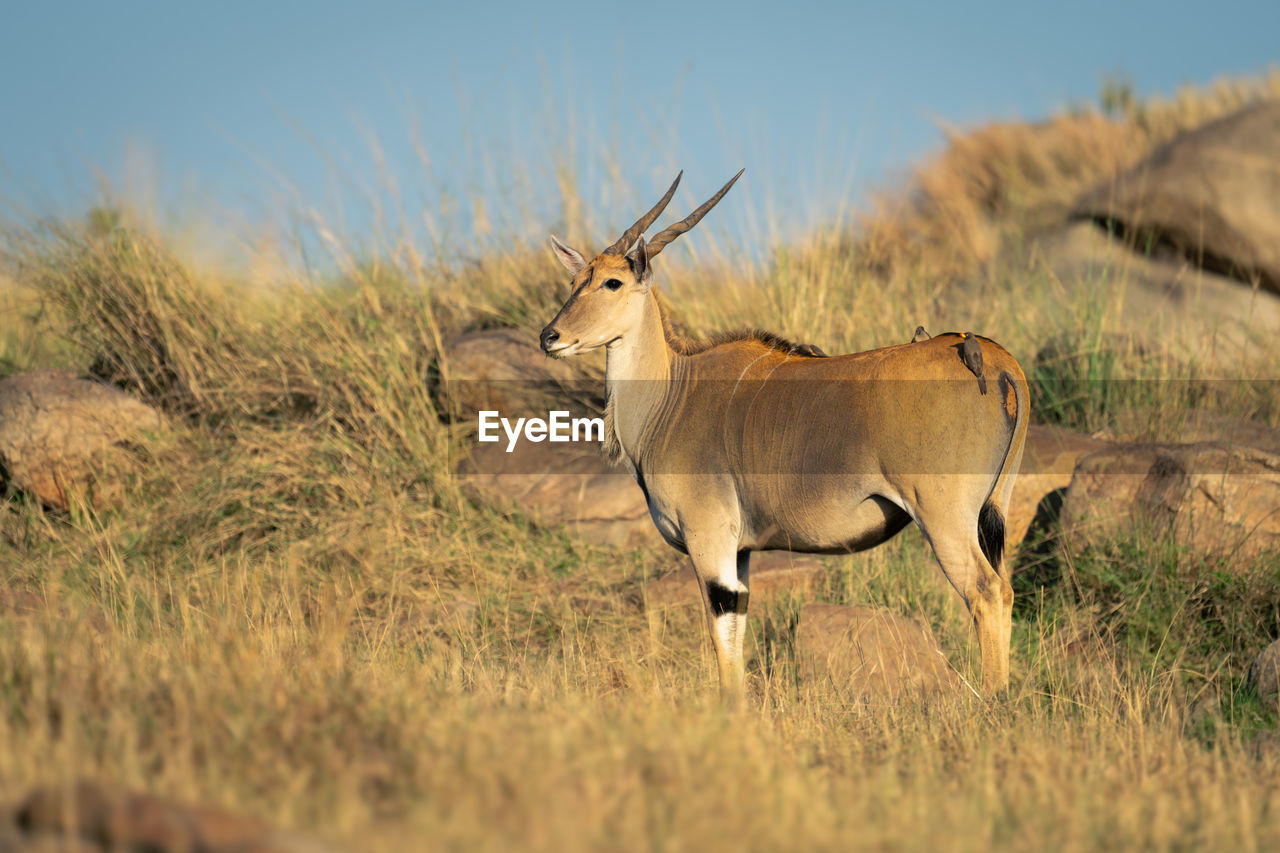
[(224, 105)]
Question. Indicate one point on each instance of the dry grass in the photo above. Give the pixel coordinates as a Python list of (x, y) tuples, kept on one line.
[(298, 615), (993, 186)]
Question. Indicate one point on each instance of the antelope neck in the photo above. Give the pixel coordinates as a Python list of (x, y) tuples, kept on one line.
[(638, 369)]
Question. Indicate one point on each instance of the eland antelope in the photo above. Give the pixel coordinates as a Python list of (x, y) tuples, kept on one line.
[(751, 443)]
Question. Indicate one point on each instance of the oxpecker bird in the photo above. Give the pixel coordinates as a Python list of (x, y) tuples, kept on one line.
[(971, 355)]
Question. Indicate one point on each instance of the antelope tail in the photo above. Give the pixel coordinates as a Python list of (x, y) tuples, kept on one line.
[(991, 522), (991, 534)]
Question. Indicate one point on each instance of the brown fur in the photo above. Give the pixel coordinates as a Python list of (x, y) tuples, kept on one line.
[(611, 449), (779, 466), (690, 346)]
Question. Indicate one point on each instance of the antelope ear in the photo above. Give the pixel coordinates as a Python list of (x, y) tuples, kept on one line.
[(571, 258), (639, 260)]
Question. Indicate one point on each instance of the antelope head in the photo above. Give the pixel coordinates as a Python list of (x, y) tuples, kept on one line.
[(608, 292)]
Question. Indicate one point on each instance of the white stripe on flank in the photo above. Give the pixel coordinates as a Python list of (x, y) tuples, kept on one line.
[(744, 373)]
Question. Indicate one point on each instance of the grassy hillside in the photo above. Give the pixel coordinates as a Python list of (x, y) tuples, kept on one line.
[(298, 614)]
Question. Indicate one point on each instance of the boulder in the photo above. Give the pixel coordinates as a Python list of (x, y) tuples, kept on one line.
[(117, 820), (505, 370), (569, 484), (1164, 302), (62, 436), (1208, 195), (1048, 461), (1215, 499), (502, 355), (1191, 426), (562, 484), (1264, 676), (773, 573), (871, 655)]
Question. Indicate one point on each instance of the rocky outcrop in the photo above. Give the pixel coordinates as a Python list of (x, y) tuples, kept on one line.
[(1208, 197), (1213, 499), (1161, 298), (1048, 462), (562, 484), (63, 437), (505, 370), (1195, 426), (1186, 243), (567, 484)]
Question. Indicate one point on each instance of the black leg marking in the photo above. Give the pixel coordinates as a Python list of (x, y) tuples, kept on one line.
[(724, 600)]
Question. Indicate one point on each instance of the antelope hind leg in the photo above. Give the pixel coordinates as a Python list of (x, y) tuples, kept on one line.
[(992, 609), (987, 594)]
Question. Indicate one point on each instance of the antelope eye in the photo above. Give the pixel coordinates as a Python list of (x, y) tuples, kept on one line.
[(612, 284)]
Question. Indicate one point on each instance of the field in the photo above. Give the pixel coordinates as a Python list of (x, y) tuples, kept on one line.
[(297, 614)]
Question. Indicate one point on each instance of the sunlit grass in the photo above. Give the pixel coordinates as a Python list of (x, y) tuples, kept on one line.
[(298, 614)]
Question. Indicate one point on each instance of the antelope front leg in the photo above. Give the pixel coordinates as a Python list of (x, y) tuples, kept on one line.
[(723, 579)]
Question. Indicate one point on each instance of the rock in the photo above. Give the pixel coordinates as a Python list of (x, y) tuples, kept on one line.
[(1216, 500), (61, 436), (562, 484), (1039, 490), (505, 370), (773, 573), (870, 654), (122, 821), (1179, 240), (1192, 426), (1163, 301), (554, 484), (1208, 195), (1264, 676)]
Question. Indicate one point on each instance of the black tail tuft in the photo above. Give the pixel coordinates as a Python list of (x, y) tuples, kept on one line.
[(991, 534)]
